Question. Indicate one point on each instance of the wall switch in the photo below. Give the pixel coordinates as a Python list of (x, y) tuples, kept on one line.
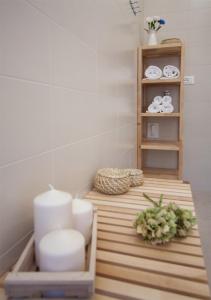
[(189, 80), (153, 130)]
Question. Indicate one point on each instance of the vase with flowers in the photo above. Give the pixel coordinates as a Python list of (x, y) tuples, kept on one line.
[(153, 25)]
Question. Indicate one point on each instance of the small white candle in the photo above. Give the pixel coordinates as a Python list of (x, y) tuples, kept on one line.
[(62, 250), (52, 210), (83, 217)]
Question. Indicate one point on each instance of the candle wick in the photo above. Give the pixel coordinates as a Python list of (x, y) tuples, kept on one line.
[(51, 187)]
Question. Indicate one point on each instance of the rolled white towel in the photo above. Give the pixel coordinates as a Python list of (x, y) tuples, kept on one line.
[(167, 108), (153, 72), (154, 108), (167, 99), (171, 71), (157, 100)]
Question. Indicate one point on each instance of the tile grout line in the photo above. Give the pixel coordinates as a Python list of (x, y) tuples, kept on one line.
[(59, 25), (59, 148), (46, 84)]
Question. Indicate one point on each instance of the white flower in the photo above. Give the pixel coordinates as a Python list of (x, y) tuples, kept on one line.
[(165, 228), (156, 18), (149, 19)]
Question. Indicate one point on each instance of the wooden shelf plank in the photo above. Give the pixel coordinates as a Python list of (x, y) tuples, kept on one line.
[(176, 81), (162, 49), (160, 145), (160, 173), (147, 114)]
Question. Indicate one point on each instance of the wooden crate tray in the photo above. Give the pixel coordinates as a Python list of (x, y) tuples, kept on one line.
[(128, 267), (25, 282)]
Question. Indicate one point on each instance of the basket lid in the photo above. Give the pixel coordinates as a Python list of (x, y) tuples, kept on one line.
[(134, 172), (112, 173)]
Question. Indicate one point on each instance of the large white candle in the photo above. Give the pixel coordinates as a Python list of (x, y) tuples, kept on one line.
[(83, 217), (52, 210), (62, 250)]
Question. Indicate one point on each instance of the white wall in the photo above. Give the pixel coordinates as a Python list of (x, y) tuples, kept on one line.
[(190, 21), (67, 102)]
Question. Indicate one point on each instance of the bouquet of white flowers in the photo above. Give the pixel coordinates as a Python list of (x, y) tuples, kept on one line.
[(161, 223), (154, 23)]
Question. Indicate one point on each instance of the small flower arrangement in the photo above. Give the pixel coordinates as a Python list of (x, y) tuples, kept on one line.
[(185, 220), (154, 23), (161, 223)]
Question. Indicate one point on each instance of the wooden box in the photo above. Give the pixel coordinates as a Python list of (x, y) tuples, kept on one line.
[(25, 282)]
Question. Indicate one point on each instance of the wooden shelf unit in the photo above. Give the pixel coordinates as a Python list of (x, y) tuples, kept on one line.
[(166, 52)]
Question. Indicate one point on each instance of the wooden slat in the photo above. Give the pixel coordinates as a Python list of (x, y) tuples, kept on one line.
[(135, 207), (163, 190), (160, 267), (129, 224), (152, 279), (118, 210), (130, 231), (154, 254), (132, 291), (167, 196), (165, 183), (139, 201), (102, 297), (135, 240), (134, 199)]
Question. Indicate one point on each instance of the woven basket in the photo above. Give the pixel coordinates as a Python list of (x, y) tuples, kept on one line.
[(136, 177), (112, 181)]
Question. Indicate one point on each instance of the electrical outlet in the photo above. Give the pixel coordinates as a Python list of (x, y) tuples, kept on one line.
[(189, 80), (153, 130)]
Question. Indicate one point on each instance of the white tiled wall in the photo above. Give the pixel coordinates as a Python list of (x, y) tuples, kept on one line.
[(67, 101), (190, 21)]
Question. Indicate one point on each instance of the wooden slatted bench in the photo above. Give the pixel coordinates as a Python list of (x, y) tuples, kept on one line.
[(128, 267)]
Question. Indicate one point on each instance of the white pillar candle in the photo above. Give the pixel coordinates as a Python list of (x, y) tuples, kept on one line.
[(62, 250), (83, 217), (52, 210)]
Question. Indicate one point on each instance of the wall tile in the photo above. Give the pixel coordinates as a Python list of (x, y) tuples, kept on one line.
[(201, 73), (20, 184), (75, 166), (25, 42), (24, 123), (195, 4), (79, 118), (154, 7), (74, 66), (80, 19), (198, 55)]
